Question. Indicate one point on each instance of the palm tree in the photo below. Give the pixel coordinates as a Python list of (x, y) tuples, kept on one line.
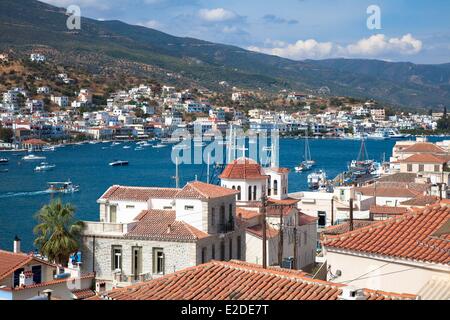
[(58, 234)]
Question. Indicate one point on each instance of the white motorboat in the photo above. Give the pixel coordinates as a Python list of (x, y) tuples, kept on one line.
[(44, 166), (4, 161), (159, 146), (317, 180), (33, 157), (48, 148), (62, 187), (119, 163), (127, 147)]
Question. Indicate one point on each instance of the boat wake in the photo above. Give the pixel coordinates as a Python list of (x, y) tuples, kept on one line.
[(23, 194)]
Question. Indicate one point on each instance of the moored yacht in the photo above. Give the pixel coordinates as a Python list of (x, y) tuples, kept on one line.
[(119, 163), (44, 166), (32, 157), (4, 160)]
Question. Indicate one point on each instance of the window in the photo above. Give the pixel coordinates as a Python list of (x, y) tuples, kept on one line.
[(116, 258), (421, 167), (37, 274), (17, 277), (136, 262), (322, 218), (222, 215), (203, 255), (250, 193), (222, 251), (230, 210), (130, 207), (213, 216), (254, 193), (239, 194), (213, 252), (167, 208), (437, 168), (410, 168), (275, 188), (269, 186), (188, 208), (158, 261), (238, 248), (113, 214), (230, 249)]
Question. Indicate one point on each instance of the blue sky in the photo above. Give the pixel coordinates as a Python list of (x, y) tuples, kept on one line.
[(411, 30)]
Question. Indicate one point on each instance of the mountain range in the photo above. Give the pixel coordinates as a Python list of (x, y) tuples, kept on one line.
[(112, 46)]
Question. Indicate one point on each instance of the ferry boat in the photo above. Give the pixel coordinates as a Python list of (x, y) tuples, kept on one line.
[(62, 187), (317, 180), (119, 163), (44, 166), (33, 157), (4, 161)]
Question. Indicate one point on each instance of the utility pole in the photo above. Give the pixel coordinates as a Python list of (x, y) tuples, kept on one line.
[(332, 212), (351, 214), (264, 235), (281, 242), (295, 242)]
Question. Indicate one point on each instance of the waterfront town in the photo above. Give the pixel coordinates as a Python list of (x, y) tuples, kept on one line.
[(379, 231)]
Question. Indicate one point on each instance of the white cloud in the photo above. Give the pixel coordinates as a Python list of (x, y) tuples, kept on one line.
[(217, 15), (153, 24), (380, 45), (309, 49), (376, 46)]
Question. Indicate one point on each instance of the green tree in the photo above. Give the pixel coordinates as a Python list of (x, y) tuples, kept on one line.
[(6, 135), (58, 233)]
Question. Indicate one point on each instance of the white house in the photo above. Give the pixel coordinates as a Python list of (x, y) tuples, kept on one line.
[(37, 57)]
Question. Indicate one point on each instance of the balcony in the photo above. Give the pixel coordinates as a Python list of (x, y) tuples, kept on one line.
[(102, 228), (224, 228)]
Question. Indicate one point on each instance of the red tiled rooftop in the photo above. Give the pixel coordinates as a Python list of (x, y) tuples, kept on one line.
[(420, 201), (345, 227), (408, 236), (200, 190), (386, 210), (162, 225), (141, 194), (426, 158), (247, 214), (238, 281), (423, 147), (9, 262), (242, 169), (83, 294), (258, 231)]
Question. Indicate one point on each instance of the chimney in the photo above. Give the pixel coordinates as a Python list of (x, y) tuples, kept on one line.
[(17, 245)]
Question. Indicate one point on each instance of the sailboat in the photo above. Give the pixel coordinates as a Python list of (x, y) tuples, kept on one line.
[(363, 165), (308, 163)]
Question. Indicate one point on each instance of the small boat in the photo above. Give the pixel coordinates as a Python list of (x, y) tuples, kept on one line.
[(116, 144), (48, 149), (304, 166), (4, 170), (62, 187), (32, 157), (127, 147), (138, 149), (44, 166), (119, 163), (4, 161), (317, 180), (159, 146), (309, 162)]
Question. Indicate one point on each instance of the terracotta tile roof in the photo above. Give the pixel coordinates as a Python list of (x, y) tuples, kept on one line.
[(141, 194), (399, 177), (83, 294), (247, 214), (272, 211), (9, 262), (426, 158), (162, 225), (284, 202), (242, 169), (423, 147), (258, 231), (238, 281), (304, 219), (53, 282), (405, 237), (35, 142), (393, 191), (345, 227), (387, 210), (200, 190), (420, 201), (280, 170)]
